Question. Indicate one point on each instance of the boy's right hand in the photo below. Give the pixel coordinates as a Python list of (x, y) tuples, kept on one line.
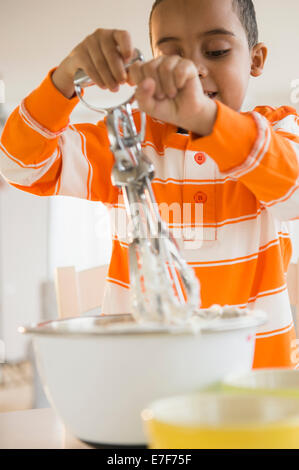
[(102, 56)]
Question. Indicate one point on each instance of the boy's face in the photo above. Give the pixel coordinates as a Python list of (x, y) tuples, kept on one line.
[(198, 30)]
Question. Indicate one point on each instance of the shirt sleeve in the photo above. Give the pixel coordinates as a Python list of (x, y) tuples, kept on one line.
[(43, 154), (260, 149)]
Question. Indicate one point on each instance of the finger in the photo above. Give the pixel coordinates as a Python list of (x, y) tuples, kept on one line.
[(145, 95), (166, 75), (124, 43), (185, 70), (136, 73), (101, 64), (151, 71), (113, 58), (90, 69)]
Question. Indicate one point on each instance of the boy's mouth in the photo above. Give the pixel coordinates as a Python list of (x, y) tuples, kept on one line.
[(211, 94)]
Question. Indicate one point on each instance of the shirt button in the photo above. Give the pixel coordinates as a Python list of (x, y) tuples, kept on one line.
[(200, 197), (200, 158)]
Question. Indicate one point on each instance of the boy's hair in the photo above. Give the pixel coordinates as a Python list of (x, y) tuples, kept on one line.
[(246, 12)]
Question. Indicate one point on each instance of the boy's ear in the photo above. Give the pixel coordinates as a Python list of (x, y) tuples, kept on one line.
[(258, 58)]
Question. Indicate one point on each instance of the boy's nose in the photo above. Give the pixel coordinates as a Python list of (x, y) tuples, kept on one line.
[(197, 59), (202, 70)]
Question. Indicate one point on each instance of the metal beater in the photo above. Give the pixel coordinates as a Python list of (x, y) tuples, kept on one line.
[(164, 288)]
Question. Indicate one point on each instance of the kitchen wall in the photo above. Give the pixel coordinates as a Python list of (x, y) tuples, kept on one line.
[(35, 35)]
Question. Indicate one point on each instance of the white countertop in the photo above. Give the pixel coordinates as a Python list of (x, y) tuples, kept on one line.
[(36, 429)]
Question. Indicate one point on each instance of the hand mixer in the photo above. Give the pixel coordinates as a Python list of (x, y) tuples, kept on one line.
[(164, 288)]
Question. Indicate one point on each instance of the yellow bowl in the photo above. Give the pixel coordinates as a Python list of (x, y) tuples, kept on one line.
[(222, 421), (279, 382)]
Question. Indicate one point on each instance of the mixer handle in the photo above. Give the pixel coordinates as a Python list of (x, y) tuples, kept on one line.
[(82, 80)]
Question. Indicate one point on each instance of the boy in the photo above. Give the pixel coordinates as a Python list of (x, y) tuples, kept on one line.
[(242, 167)]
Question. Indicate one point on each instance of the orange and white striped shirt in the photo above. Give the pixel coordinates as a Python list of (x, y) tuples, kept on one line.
[(244, 176)]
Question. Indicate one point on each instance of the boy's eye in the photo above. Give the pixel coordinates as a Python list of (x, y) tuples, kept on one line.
[(217, 53), (173, 51), (176, 52)]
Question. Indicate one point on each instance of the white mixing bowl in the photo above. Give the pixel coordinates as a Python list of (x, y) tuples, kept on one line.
[(99, 372)]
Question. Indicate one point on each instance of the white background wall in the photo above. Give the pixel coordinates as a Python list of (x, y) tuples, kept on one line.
[(36, 35)]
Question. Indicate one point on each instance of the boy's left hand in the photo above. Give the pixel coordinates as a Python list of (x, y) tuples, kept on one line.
[(169, 89)]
